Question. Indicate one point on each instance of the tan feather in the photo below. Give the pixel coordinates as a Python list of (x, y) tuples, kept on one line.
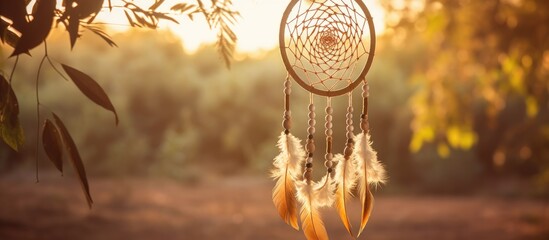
[(346, 181), (365, 158), (285, 172), (370, 171), (325, 189), (367, 206), (311, 221)]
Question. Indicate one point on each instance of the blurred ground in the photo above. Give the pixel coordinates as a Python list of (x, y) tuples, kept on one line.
[(240, 208)]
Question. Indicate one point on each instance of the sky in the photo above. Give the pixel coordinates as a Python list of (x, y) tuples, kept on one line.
[(257, 28)]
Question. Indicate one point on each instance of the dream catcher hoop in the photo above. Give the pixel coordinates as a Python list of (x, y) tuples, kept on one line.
[(327, 47)]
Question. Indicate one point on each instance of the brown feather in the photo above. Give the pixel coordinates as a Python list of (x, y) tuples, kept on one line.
[(367, 206), (286, 170), (346, 180), (311, 221), (284, 200)]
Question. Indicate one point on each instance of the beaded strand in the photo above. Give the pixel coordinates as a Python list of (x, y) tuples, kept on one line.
[(310, 147), (328, 163)]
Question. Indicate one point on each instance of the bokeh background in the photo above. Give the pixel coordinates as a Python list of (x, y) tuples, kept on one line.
[(459, 113)]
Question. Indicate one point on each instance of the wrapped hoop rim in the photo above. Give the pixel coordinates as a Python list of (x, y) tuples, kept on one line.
[(295, 76)]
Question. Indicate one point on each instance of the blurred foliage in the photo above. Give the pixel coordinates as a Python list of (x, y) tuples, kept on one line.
[(481, 80), (459, 94)]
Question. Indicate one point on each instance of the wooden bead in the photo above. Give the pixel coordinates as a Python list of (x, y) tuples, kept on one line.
[(328, 125), (307, 175), (328, 132), (328, 164), (349, 121), (310, 147), (287, 91), (350, 135), (349, 115), (330, 170), (350, 109), (328, 118), (364, 125), (312, 122), (329, 156), (312, 115), (364, 94), (350, 128), (348, 151), (311, 130), (311, 107), (287, 84), (309, 165), (329, 110), (310, 160), (287, 124), (365, 87)]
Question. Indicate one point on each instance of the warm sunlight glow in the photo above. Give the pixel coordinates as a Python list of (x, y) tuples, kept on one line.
[(257, 28)]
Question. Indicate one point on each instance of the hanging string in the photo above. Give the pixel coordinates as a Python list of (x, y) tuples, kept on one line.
[(328, 163), (348, 151), (287, 122), (310, 147), (364, 125)]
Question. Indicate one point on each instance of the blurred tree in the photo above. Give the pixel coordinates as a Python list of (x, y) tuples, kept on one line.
[(481, 78), (24, 31)]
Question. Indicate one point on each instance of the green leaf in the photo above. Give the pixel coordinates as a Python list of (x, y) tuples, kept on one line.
[(182, 7), (156, 5), (13, 13), (11, 131), (72, 28), (12, 134), (86, 8), (91, 89), (35, 32), (102, 34), (53, 145), (75, 158)]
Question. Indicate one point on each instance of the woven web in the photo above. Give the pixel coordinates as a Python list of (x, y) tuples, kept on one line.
[(327, 42)]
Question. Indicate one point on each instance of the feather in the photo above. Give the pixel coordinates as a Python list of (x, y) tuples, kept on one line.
[(286, 170), (370, 171), (367, 201), (345, 178), (365, 158), (325, 191), (311, 221)]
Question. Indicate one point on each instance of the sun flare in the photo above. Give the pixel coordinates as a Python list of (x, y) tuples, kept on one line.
[(257, 28)]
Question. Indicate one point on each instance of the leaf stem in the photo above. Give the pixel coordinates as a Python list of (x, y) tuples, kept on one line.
[(38, 109), (13, 69)]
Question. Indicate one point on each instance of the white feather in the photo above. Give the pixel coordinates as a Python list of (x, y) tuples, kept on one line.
[(364, 156), (349, 169), (291, 153), (325, 192), (286, 171), (311, 221)]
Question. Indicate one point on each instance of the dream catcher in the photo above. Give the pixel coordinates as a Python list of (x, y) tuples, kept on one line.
[(327, 47)]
